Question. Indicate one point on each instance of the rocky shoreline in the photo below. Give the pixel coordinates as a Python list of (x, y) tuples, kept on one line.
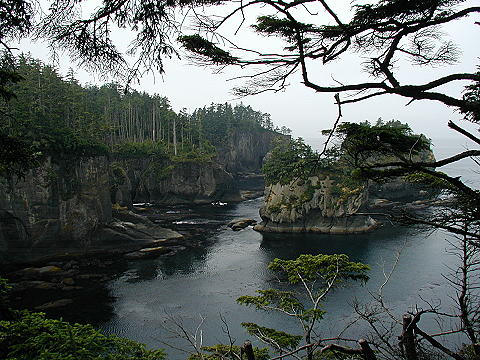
[(53, 284), (369, 219), (322, 225)]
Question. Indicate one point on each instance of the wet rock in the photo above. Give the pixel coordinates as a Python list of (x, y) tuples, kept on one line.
[(34, 284), (345, 225), (72, 264), (131, 217), (71, 288), (248, 221), (54, 304), (68, 281), (239, 224), (32, 272), (90, 276), (251, 194), (148, 253), (134, 235)]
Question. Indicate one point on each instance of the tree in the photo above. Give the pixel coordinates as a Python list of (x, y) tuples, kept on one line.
[(383, 34), (318, 275)]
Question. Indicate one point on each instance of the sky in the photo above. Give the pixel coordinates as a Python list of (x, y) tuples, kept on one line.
[(299, 108)]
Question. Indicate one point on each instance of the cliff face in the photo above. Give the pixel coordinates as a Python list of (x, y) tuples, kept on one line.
[(314, 205), (139, 180), (60, 203), (176, 183), (66, 205), (319, 204), (245, 150)]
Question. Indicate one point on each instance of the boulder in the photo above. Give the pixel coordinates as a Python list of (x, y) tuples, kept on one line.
[(147, 253), (247, 221), (54, 304), (68, 281), (33, 272), (239, 224), (34, 284)]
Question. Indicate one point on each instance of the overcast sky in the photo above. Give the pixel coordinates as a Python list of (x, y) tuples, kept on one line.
[(299, 108)]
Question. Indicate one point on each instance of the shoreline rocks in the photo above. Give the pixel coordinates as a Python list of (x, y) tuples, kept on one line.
[(239, 224), (345, 225)]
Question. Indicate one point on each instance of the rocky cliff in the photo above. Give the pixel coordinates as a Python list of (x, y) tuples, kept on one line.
[(308, 193), (64, 208), (65, 205), (139, 180), (59, 204), (245, 150), (314, 205), (199, 182)]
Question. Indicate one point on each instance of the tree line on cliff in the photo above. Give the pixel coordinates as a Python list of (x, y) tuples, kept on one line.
[(53, 114)]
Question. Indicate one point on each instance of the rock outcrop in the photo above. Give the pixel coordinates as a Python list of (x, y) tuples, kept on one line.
[(314, 205), (245, 150), (64, 207), (237, 162), (58, 205)]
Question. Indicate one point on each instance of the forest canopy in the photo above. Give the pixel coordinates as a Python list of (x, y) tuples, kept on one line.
[(52, 114)]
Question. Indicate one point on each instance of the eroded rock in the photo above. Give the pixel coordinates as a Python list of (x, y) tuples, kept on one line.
[(148, 253), (54, 304)]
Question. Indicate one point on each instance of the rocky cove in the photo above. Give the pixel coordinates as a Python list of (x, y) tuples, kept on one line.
[(68, 232), (64, 206), (133, 294), (75, 206)]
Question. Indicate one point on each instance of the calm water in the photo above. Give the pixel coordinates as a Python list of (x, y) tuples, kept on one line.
[(204, 282)]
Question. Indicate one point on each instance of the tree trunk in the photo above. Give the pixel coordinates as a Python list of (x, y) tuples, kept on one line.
[(247, 349), (368, 353), (174, 136), (408, 339)]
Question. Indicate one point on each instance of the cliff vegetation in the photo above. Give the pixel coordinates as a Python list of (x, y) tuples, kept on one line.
[(312, 191)]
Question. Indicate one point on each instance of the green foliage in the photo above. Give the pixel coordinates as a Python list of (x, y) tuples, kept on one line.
[(363, 143), (17, 155), (33, 337), (8, 76), (323, 268), (51, 115), (317, 275), (289, 160), (273, 299), (427, 179), (221, 352), (204, 153), (472, 99), (217, 123), (134, 150), (65, 141), (273, 337), (286, 28), (206, 48), (4, 290), (398, 10)]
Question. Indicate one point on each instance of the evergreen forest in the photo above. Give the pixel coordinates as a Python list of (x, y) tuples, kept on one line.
[(51, 114)]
